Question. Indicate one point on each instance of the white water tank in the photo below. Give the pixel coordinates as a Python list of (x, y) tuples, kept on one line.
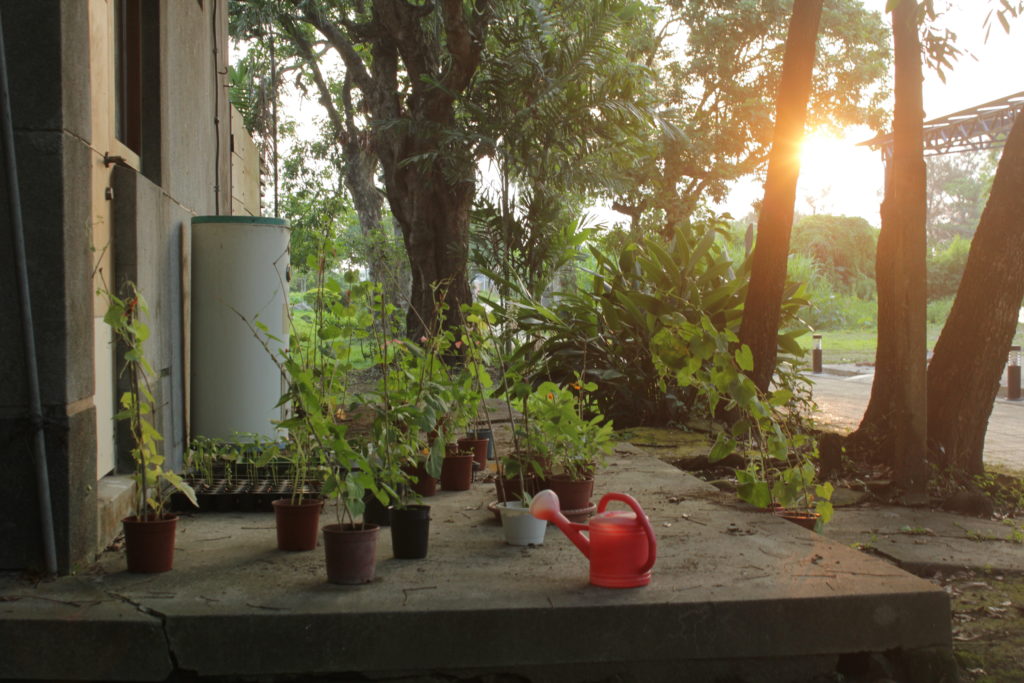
[(239, 267)]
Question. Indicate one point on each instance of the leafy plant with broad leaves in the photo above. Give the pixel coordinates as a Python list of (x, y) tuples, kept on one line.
[(780, 467), (124, 316), (633, 293), (564, 427)]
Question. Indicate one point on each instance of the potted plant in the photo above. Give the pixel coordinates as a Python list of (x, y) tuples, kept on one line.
[(314, 367), (149, 532), (566, 428), (350, 546)]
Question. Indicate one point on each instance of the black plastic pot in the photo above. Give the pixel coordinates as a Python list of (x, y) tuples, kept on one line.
[(375, 512), (410, 530)]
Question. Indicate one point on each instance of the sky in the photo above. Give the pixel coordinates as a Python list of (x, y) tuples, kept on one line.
[(839, 177)]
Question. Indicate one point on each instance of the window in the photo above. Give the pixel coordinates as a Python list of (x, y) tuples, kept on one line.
[(128, 73)]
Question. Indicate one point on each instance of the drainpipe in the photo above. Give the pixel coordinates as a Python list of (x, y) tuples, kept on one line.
[(21, 266)]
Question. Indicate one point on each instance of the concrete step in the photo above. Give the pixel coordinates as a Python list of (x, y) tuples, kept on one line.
[(736, 594)]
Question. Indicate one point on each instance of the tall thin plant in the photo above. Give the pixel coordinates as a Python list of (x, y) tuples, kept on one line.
[(125, 317)]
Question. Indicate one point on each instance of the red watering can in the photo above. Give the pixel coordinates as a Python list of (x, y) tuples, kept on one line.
[(621, 546)]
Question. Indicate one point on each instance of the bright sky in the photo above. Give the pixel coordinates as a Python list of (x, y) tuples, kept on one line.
[(839, 177)]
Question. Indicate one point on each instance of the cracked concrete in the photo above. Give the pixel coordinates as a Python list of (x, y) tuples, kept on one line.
[(925, 541)]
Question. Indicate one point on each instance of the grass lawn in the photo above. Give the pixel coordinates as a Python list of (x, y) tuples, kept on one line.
[(858, 346)]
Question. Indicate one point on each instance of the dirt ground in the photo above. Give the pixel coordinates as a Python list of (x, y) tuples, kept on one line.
[(988, 624)]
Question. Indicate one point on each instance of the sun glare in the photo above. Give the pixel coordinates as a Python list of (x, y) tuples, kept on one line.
[(821, 152), (837, 176)]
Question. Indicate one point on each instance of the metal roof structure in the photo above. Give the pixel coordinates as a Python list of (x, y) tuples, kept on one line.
[(981, 127)]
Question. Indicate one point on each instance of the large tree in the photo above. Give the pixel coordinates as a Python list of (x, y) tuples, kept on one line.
[(763, 307), (411, 64), (965, 370), (426, 92), (894, 427)]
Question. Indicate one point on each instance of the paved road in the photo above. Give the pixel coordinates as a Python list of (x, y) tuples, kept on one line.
[(842, 401)]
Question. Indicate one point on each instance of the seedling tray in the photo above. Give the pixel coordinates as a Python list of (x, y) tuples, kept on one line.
[(239, 494)]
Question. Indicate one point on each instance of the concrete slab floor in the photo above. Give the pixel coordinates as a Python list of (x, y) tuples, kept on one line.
[(736, 595)]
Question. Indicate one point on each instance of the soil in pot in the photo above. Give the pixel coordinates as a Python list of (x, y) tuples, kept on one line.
[(519, 526), (572, 495), (149, 543), (457, 472), (410, 531), (478, 447), (351, 552), (297, 523)]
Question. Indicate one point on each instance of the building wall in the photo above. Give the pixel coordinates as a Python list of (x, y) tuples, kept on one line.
[(245, 169), (88, 222)]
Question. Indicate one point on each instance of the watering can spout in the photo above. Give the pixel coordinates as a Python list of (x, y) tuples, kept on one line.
[(545, 506)]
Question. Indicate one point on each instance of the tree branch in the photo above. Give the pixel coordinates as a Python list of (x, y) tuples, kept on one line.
[(306, 52), (339, 40)]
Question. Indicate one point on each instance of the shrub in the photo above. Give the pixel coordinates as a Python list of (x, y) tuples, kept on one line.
[(946, 266), (604, 333), (842, 246), (938, 310)]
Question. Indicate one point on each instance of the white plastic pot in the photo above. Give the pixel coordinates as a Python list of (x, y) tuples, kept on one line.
[(521, 528)]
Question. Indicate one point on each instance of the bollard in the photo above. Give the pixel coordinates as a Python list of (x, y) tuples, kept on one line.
[(1013, 374), (816, 355)]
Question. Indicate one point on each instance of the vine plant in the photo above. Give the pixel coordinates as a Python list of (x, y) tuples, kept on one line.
[(124, 316)]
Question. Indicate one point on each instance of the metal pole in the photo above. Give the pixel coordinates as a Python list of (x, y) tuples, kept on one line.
[(816, 355), (21, 266), (1013, 375)]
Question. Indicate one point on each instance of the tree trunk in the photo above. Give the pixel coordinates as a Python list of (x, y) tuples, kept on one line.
[(434, 216), (963, 377), (762, 310), (895, 422)]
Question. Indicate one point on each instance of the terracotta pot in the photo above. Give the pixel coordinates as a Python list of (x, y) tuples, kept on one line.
[(572, 495), (410, 531), (484, 434), (478, 447), (808, 520), (457, 472), (425, 485), (297, 523), (510, 488), (351, 552), (149, 543)]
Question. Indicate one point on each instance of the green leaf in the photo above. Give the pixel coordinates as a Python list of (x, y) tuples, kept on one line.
[(745, 358), (329, 332), (757, 493), (723, 447)]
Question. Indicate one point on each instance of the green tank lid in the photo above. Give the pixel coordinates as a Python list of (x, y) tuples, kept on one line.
[(258, 220)]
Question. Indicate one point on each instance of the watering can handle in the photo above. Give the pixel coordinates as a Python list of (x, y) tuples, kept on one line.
[(652, 545)]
